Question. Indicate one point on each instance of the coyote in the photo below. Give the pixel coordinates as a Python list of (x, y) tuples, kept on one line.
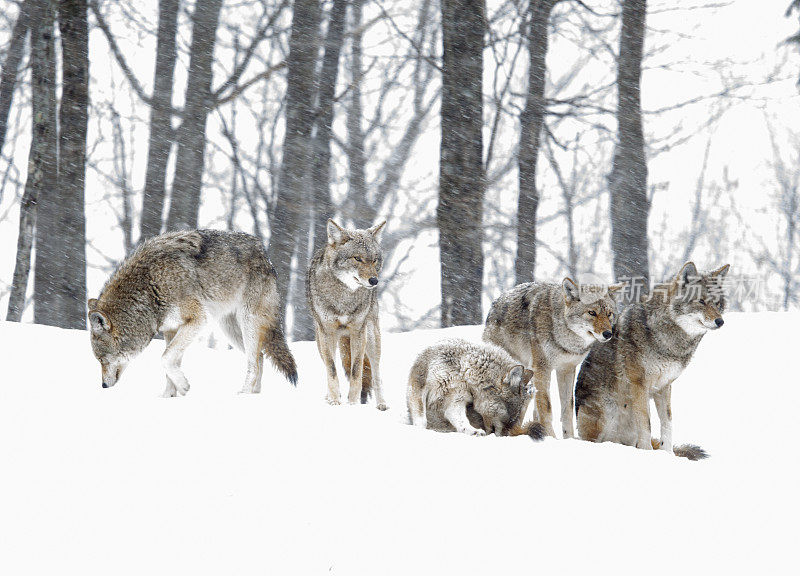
[(653, 343), (551, 327), (341, 292), (172, 283), (471, 388)]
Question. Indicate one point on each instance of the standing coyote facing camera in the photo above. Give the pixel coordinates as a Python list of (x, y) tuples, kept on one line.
[(653, 343), (471, 388), (551, 327), (173, 283), (341, 292)]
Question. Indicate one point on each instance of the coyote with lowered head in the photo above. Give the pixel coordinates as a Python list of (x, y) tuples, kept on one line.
[(341, 292), (653, 343), (551, 327), (474, 389), (173, 283)]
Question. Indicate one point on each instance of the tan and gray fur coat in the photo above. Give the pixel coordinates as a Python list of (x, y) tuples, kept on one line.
[(653, 343), (550, 327), (341, 289), (173, 284), (475, 389)]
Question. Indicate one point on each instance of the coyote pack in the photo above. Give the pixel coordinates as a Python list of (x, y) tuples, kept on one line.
[(173, 283), (653, 343), (470, 388), (341, 291), (551, 327)]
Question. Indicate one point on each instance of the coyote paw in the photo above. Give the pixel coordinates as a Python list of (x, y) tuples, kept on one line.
[(645, 444), (476, 432), (382, 407), (333, 401)]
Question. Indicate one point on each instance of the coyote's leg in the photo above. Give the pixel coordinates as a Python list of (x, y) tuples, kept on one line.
[(358, 343), (373, 353), (326, 344), (543, 411), (663, 401), (456, 414), (566, 388), (230, 326), (640, 406), (193, 320), (252, 336), (170, 391)]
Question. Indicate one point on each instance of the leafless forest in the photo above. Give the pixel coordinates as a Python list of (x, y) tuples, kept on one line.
[(503, 141)]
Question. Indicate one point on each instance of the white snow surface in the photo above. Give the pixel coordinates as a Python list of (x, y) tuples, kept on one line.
[(121, 481)]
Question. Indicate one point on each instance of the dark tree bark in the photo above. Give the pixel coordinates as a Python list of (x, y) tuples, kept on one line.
[(328, 78), (190, 162), (461, 176), (70, 283), (8, 76), (356, 160), (628, 179), (291, 210), (40, 206), (322, 207), (531, 121), (160, 141)]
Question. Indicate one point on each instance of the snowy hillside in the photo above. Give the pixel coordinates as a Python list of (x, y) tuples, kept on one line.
[(121, 481)]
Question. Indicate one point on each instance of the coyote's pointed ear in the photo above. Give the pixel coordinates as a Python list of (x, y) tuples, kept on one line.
[(92, 304), (99, 322), (376, 230), (720, 273), (336, 234), (513, 378), (614, 289), (571, 291), (687, 273), (526, 376)]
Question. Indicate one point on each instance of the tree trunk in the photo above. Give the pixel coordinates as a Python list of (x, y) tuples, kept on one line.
[(8, 77), (43, 167), (160, 141), (628, 180), (190, 162), (531, 122), (303, 328), (291, 210), (70, 284), (356, 161), (461, 175)]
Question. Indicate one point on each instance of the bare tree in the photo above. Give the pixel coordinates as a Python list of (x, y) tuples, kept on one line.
[(8, 76), (461, 173), (531, 121), (70, 284), (288, 234), (161, 135), (627, 182), (191, 136)]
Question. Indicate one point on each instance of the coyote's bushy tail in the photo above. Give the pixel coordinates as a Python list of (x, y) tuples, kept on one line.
[(534, 430), (690, 451), (275, 347), (366, 381), (417, 410)]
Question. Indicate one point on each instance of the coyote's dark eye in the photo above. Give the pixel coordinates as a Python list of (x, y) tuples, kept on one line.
[(357, 259), (592, 313), (702, 302)]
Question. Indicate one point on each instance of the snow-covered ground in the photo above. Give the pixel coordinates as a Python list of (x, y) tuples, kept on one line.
[(121, 481)]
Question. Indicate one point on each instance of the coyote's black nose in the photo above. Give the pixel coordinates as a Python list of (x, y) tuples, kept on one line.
[(105, 385), (607, 334), (373, 281), (719, 322)]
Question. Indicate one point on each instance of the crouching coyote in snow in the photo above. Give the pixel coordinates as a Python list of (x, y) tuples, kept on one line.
[(470, 388), (173, 283)]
